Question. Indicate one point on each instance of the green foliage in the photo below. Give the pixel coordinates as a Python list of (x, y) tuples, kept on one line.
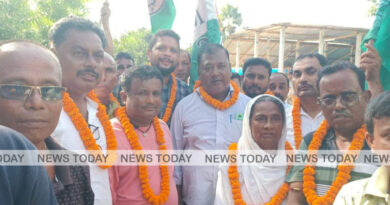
[(136, 43), (374, 7), (230, 19), (32, 19)]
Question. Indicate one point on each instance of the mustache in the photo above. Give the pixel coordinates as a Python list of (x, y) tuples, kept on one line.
[(88, 70), (343, 112), (304, 84), (279, 96)]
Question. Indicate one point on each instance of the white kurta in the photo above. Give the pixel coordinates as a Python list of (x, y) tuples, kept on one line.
[(68, 137), (196, 125)]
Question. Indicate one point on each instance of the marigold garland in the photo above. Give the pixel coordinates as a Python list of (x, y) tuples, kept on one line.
[(196, 85), (296, 117), (147, 191), (85, 133), (269, 93), (344, 171), (218, 104), (278, 198), (171, 101)]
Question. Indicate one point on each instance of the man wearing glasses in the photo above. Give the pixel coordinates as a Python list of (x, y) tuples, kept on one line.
[(343, 101)]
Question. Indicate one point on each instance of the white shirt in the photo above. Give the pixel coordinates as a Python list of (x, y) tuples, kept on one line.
[(308, 125), (68, 137), (197, 125)]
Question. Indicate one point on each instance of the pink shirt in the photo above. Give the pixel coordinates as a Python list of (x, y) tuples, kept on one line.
[(124, 180)]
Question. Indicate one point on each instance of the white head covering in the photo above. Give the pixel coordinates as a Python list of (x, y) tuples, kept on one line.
[(259, 183)]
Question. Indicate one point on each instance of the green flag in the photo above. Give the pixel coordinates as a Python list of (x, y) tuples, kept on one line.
[(162, 14), (206, 31), (380, 32)]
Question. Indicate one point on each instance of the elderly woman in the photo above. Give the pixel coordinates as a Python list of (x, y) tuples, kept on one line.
[(264, 130)]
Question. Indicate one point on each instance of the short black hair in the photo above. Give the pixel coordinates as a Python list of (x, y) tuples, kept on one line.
[(163, 33), (284, 75), (321, 59), (58, 31), (376, 109), (235, 75), (125, 55), (257, 61), (340, 66), (278, 103), (143, 72), (211, 48)]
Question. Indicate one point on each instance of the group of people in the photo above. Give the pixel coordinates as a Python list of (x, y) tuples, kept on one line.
[(76, 96)]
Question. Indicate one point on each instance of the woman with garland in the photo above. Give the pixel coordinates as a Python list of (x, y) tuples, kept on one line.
[(264, 130)]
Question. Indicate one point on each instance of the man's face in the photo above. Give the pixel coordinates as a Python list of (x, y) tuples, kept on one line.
[(380, 139), (34, 117), (346, 114), (143, 100), (110, 78), (123, 64), (165, 54), (278, 85), (214, 73), (182, 71), (304, 77), (255, 81), (81, 55)]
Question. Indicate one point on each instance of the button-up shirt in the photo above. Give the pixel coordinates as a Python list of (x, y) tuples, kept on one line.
[(68, 137), (369, 191), (197, 125), (308, 124)]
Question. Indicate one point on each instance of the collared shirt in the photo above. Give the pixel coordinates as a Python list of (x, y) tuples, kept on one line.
[(308, 124), (71, 183), (68, 137), (181, 91), (197, 125), (369, 191), (125, 183), (326, 172)]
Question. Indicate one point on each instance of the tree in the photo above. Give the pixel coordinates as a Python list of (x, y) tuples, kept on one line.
[(136, 43), (374, 7), (32, 19), (230, 19)]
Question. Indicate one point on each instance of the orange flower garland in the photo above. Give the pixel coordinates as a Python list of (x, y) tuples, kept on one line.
[(344, 171), (147, 191), (269, 93), (218, 104), (82, 126), (196, 85), (296, 117), (236, 187), (171, 101)]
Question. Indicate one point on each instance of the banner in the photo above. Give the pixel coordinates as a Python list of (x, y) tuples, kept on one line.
[(380, 32), (206, 30), (162, 14)]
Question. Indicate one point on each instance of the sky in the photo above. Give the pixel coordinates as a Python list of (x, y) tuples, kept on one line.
[(128, 15)]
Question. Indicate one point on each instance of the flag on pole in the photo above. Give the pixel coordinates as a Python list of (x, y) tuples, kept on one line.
[(380, 32), (162, 14), (206, 30)]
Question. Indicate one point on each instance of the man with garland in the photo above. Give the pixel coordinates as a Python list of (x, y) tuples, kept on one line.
[(104, 89), (84, 125), (343, 101), (256, 73), (138, 127), (208, 119), (305, 115), (163, 53)]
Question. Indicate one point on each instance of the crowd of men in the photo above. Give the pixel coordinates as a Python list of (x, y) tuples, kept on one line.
[(77, 96)]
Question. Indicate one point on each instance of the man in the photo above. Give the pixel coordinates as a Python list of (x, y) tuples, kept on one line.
[(208, 119), (143, 87), (83, 124), (35, 114), (373, 190), (104, 89), (23, 184), (305, 115), (182, 71), (124, 61), (163, 53), (279, 85), (256, 73), (343, 101)]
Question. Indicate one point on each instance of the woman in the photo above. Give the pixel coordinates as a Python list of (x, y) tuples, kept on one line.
[(264, 129)]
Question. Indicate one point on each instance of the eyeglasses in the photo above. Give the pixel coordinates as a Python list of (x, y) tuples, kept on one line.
[(22, 92), (122, 67), (346, 99)]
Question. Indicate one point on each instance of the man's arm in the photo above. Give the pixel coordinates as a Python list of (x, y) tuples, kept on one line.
[(295, 195), (370, 63), (104, 19)]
